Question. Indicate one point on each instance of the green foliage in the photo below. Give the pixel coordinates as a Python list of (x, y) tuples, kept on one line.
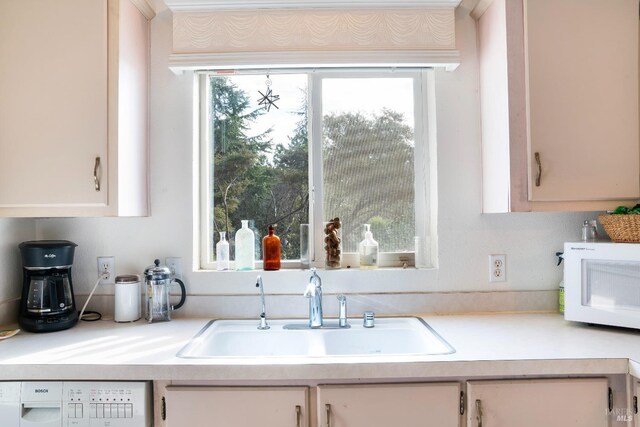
[(247, 185), (623, 210)]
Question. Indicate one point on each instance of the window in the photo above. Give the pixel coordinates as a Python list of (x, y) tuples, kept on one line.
[(346, 144)]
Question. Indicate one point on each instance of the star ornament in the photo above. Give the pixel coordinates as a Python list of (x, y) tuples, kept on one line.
[(268, 100)]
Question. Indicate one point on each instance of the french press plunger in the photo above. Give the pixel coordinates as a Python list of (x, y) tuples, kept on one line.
[(157, 282)]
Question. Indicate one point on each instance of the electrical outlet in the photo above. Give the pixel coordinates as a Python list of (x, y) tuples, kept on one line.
[(497, 268), (175, 265), (107, 264)]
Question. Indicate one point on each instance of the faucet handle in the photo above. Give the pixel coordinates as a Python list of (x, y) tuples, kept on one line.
[(342, 319), (369, 319)]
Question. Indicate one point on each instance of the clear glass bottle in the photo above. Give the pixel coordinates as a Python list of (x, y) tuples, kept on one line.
[(304, 246), (271, 250), (222, 252), (368, 249), (245, 248), (257, 239)]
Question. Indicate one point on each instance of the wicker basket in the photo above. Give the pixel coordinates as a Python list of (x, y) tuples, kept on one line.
[(622, 228)]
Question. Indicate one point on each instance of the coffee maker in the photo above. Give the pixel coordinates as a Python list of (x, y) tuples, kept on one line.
[(47, 302)]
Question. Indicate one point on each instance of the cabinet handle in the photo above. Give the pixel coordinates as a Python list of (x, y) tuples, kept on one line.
[(539, 174), (96, 180), (327, 408), (298, 414), (479, 412)]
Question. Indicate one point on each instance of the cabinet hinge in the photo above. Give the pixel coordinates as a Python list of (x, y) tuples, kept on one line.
[(610, 399), (462, 403), (163, 409), (635, 404)]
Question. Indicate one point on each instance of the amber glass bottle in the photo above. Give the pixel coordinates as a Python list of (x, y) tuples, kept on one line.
[(271, 250)]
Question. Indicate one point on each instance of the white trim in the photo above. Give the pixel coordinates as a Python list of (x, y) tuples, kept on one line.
[(425, 200), (449, 60), (316, 207), (207, 5), (145, 8), (203, 177), (480, 8)]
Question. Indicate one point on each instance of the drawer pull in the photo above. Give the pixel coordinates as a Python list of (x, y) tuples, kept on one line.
[(298, 415), (327, 408), (539, 174), (479, 412), (96, 179)]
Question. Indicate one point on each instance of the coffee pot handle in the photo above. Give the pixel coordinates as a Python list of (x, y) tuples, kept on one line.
[(183, 294)]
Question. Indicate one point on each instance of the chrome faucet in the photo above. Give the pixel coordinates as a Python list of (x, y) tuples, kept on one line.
[(314, 293), (263, 315)]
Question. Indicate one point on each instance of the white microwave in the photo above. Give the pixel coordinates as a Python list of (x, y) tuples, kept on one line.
[(602, 283)]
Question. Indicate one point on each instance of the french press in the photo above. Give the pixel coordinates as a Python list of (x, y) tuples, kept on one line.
[(157, 282)]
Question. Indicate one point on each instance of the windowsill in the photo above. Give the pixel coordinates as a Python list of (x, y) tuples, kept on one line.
[(293, 281)]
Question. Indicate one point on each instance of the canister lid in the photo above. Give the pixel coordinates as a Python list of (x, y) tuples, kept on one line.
[(127, 279), (157, 272)]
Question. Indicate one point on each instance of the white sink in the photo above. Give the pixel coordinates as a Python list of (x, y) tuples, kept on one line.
[(241, 338)]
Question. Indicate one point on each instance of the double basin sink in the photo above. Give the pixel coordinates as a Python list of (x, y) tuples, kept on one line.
[(397, 336)]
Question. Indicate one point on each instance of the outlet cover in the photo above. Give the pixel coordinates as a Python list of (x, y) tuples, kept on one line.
[(498, 268), (175, 265)]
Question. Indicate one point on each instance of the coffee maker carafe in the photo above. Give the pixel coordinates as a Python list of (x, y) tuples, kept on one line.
[(47, 302)]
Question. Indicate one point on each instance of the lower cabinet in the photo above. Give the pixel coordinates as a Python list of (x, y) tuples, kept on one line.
[(398, 405), (566, 402), (236, 407), (580, 402)]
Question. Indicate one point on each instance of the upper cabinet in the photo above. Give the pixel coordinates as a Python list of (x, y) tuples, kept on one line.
[(74, 107), (559, 100)]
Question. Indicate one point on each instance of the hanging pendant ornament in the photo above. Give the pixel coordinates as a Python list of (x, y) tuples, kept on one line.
[(268, 99)]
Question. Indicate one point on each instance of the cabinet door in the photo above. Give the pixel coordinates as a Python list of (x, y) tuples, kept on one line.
[(535, 403), (53, 108), (398, 405), (583, 99), (236, 406)]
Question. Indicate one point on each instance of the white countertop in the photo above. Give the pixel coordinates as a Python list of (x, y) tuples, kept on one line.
[(486, 345)]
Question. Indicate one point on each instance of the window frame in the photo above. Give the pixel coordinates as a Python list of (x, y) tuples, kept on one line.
[(425, 183)]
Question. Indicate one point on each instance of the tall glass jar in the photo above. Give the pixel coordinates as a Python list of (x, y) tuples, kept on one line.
[(304, 246), (333, 244), (257, 239)]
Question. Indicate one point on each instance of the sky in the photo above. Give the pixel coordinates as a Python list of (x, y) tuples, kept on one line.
[(366, 95)]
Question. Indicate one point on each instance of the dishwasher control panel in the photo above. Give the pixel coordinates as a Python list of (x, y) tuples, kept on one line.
[(75, 404)]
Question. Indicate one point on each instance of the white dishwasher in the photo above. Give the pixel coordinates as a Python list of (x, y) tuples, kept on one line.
[(75, 404)]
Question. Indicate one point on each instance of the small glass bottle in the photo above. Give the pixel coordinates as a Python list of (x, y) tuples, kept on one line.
[(271, 250), (589, 231), (368, 249), (222, 253), (245, 248)]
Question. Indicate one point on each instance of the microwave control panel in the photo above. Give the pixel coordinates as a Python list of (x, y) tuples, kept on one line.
[(76, 404)]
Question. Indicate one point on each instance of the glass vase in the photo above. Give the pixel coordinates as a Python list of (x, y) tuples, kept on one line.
[(333, 244)]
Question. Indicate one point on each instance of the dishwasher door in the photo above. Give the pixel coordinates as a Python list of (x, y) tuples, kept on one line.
[(75, 404)]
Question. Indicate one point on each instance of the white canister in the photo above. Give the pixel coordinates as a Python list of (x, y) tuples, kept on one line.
[(127, 298)]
